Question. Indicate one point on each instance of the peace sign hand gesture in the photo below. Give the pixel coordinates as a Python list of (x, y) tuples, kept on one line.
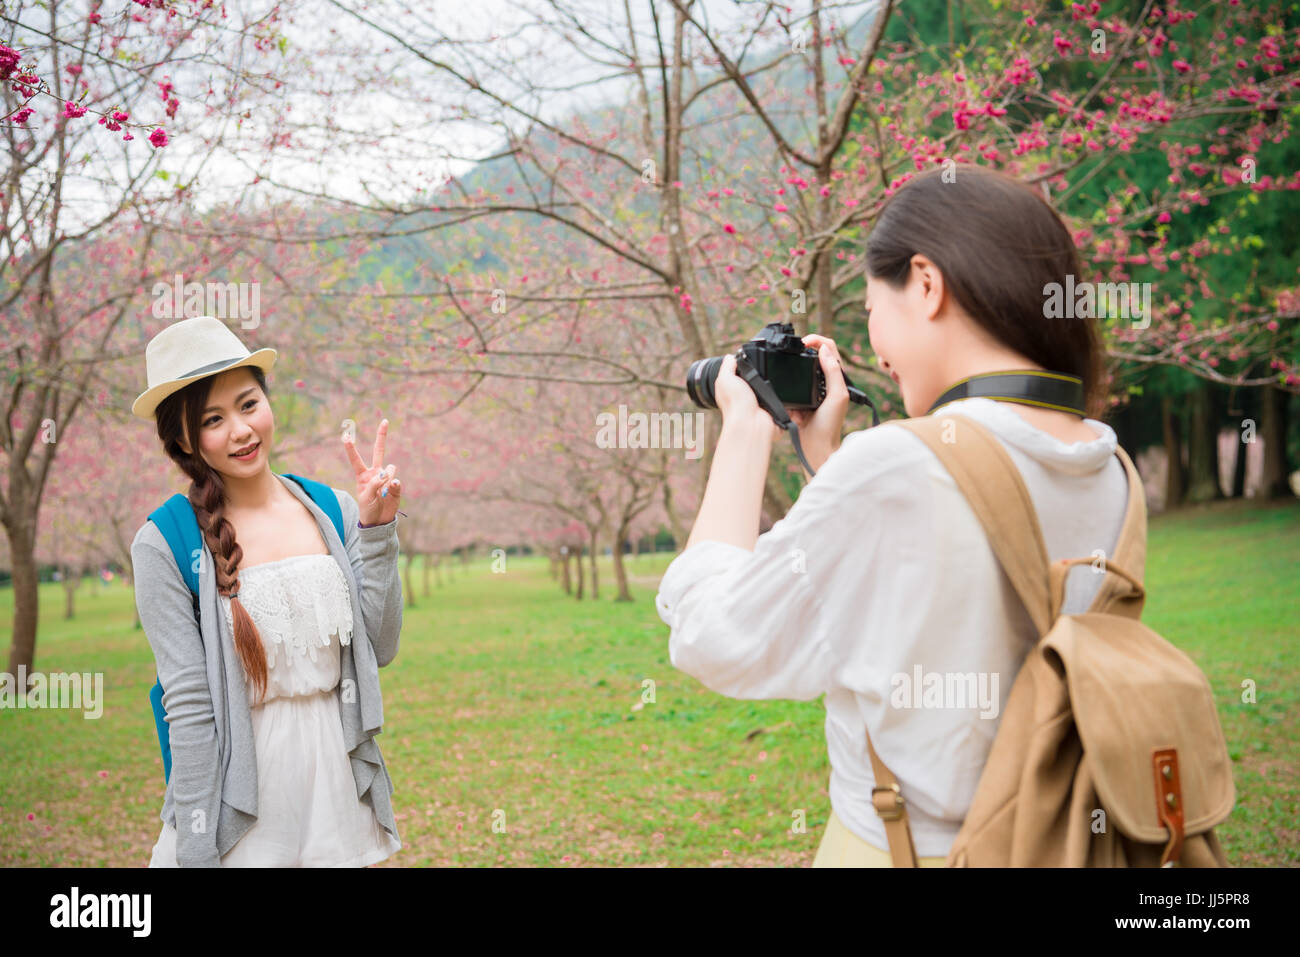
[(377, 496)]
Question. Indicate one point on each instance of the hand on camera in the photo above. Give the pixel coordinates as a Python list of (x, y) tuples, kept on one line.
[(737, 402), (821, 429)]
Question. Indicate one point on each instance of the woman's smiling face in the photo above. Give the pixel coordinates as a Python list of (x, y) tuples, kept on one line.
[(236, 415), (906, 342)]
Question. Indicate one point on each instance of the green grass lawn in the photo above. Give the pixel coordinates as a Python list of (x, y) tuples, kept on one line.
[(509, 696)]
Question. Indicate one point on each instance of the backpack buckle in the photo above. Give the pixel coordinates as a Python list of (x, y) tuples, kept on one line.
[(892, 800), (1169, 803)]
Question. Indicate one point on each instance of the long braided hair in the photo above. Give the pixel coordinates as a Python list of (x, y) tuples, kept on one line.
[(178, 415)]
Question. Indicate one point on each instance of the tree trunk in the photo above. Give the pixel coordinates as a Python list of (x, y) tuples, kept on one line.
[(620, 573), (595, 584), (675, 526), (564, 565), (22, 554), (776, 502), (581, 573), (1240, 408), (1272, 430), (1174, 479), (406, 574), (1203, 449), (1239, 468), (128, 579), (70, 583)]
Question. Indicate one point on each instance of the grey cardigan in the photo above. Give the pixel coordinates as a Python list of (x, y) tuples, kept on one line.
[(211, 796)]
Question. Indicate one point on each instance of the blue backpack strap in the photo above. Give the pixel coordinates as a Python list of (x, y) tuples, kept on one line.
[(175, 519), (325, 500)]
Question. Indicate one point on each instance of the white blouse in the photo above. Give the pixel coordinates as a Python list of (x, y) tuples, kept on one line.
[(879, 577)]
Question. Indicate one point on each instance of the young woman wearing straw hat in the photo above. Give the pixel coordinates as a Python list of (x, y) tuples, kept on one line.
[(272, 694)]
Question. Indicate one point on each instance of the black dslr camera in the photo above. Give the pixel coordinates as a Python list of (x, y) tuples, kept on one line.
[(784, 374), (779, 357)]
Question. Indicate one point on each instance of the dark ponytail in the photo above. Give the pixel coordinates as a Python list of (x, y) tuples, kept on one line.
[(998, 244), (178, 415)]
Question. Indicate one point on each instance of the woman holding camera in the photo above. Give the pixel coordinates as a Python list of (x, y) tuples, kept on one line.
[(881, 568)]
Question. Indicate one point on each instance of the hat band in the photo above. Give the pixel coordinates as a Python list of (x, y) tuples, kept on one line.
[(210, 367)]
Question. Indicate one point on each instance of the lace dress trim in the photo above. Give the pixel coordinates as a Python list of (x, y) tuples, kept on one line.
[(319, 590)]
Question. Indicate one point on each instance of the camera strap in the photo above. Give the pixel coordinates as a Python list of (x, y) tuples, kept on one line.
[(1046, 390), (768, 399)]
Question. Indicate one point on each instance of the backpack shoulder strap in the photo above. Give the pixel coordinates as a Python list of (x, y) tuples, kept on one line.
[(325, 500), (175, 519), (1114, 596)]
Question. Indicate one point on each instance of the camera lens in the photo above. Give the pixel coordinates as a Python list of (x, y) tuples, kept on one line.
[(700, 378)]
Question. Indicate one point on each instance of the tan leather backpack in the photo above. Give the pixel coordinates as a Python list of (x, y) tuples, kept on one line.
[(1109, 752)]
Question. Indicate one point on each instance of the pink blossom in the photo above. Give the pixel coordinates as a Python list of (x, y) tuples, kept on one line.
[(8, 62), (21, 116), (1164, 217), (728, 228), (1017, 74), (780, 207), (158, 137)]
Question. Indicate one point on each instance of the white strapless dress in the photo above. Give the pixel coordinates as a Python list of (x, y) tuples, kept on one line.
[(308, 812)]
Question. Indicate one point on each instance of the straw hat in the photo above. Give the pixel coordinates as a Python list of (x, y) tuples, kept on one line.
[(189, 350)]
